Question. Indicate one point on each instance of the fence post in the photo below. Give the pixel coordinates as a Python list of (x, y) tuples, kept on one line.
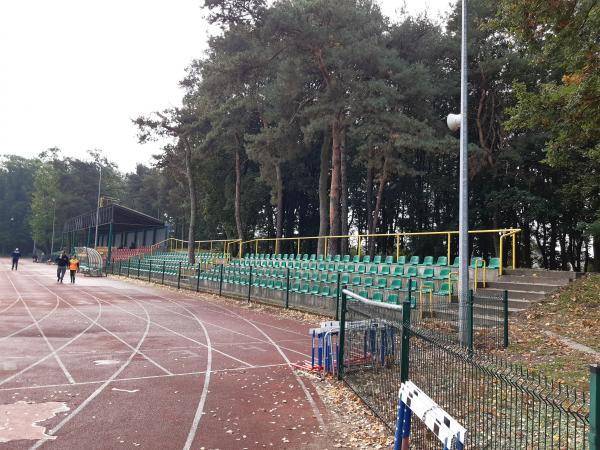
[(287, 290), (337, 299), (128, 266), (139, 265), (198, 278), (221, 280), (470, 302), (120, 267), (179, 275), (340, 356), (505, 307), (594, 434), (150, 272), (163, 273), (405, 348), (249, 285)]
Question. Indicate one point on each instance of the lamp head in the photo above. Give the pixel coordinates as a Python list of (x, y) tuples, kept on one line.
[(453, 121)]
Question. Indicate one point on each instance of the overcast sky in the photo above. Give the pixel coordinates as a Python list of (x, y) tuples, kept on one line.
[(73, 73)]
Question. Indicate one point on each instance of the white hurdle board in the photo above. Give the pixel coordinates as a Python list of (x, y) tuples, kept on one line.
[(431, 414)]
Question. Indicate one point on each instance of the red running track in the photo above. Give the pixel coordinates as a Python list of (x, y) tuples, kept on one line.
[(143, 367)]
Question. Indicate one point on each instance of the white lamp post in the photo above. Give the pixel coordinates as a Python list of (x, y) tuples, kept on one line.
[(455, 122)]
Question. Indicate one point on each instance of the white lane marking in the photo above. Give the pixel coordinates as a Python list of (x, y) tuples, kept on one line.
[(141, 378), (68, 375), (202, 401), (39, 361), (259, 340), (50, 346), (307, 393), (117, 337), (129, 391), (31, 324), (173, 331), (94, 394)]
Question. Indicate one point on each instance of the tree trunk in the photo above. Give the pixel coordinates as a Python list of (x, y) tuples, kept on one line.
[(192, 193), (323, 178), (279, 189), (237, 201), (334, 194), (596, 247), (378, 199), (344, 193), (369, 204)]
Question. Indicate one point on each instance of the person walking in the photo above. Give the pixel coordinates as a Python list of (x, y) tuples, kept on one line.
[(62, 261), (73, 267), (15, 259)]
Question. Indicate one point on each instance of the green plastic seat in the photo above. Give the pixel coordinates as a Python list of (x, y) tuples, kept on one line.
[(279, 285), (389, 260), (413, 287), (395, 285), (350, 268), (401, 260), (427, 287), (313, 266), (476, 261), (296, 286), (305, 289), (324, 278), (346, 259), (366, 259), (314, 276), (410, 272), (271, 284), (443, 291), (385, 270), (329, 258), (322, 266), (341, 267), (334, 278), (377, 259), (456, 262), (441, 261), (356, 281), (331, 267), (373, 270), (443, 275), (337, 258), (392, 298), (361, 269), (398, 271), (368, 282), (378, 297), (325, 292), (427, 273), (305, 257), (381, 283), (414, 261), (314, 290), (363, 294), (356, 259), (427, 261), (494, 263), (305, 276), (345, 279)]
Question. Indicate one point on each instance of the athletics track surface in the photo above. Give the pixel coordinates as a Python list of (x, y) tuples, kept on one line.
[(144, 367)]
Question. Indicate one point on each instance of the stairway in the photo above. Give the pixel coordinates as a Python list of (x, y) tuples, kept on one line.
[(526, 285)]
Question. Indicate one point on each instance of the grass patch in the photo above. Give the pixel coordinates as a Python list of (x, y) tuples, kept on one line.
[(573, 312)]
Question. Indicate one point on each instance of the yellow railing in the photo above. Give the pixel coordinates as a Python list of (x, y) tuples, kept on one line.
[(223, 246), (254, 244)]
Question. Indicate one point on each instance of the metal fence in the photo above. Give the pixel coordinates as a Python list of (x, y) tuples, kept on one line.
[(502, 406)]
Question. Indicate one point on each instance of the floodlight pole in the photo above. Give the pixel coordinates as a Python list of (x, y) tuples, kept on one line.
[(98, 208), (463, 208), (53, 222)]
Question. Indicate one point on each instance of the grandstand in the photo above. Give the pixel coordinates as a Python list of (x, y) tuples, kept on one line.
[(122, 232), (315, 280)]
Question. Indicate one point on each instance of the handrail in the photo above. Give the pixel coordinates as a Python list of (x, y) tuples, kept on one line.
[(366, 301), (360, 237), (509, 233), (475, 280)]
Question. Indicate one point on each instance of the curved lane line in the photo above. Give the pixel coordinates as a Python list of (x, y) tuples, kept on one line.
[(94, 394), (31, 324)]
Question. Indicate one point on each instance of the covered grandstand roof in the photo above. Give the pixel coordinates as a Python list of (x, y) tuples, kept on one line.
[(121, 218)]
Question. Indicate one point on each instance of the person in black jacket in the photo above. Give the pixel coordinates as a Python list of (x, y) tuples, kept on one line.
[(63, 262), (15, 259)]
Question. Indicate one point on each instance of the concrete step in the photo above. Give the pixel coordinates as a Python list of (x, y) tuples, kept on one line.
[(528, 287), (556, 282), (541, 273), (514, 294)]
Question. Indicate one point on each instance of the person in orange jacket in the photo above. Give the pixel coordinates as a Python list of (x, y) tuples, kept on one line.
[(73, 267)]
